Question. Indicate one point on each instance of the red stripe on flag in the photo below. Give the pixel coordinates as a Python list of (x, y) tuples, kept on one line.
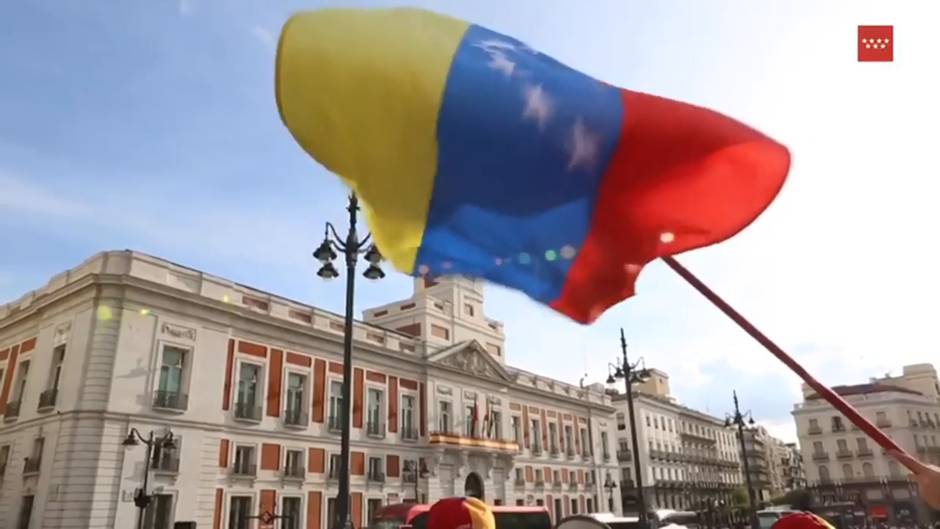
[(682, 177)]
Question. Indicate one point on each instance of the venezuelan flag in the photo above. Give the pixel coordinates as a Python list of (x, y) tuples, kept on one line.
[(477, 155)]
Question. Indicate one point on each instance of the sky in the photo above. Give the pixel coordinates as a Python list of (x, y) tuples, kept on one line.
[(152, 126)]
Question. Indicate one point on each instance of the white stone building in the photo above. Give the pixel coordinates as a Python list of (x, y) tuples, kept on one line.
[(688, 459), (249, 385), (843, 465)]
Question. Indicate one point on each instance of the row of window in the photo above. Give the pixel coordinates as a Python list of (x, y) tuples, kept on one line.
[(245, 463), (242, 511), (47, 399), (666, 424), (535, 427), (539, 475), (916, 419), (31, 464), (867, 471)]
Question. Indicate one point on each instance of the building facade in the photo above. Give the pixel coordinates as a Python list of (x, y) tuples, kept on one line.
[(791, 463), (689, 460), (764, 454), (249, 384), (844, 467)]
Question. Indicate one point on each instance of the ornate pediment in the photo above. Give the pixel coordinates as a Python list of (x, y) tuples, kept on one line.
[(471, 358)]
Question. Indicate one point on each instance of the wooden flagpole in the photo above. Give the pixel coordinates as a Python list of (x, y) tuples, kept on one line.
[(831, 396)]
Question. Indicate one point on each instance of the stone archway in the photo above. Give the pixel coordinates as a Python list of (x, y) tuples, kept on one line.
[(473, 487)]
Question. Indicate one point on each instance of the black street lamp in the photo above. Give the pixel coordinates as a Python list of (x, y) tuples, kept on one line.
[(610, 485), (164, 442), (738, 420), (630, 375), (350, 247)]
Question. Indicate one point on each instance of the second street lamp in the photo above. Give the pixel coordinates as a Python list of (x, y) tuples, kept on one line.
[(142, 498), (630, 375), (737, 419), (351, 247)]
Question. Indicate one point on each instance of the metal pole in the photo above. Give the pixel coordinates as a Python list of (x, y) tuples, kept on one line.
[(739, 420), (352, 251), (143, 507), (627, 375)]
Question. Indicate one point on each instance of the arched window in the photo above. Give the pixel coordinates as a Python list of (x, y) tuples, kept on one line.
[(823, 473), (868, 470), (847, 471)]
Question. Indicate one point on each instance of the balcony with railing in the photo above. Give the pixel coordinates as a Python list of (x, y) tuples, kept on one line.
[(475, 444), (409, 433), (244, 470), (536, 449), (333, 474), (556, 486), (883, 423), (570, 452), (820, 456), (586, 456), (295, 418), (624, 455), (31, 466), (573, 486), (247, 411), (409, 477), (375, 429), (375, 477), (814, 430), (844, 454), (47, 399), (606, 455), (554, 451), (540, 484), (170, 401), (12, 410), (700, 437), (294, 472), (864, 453), (166, 464), (519, 483)]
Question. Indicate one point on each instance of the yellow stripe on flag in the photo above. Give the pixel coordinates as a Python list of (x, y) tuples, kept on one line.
[(360, 90)]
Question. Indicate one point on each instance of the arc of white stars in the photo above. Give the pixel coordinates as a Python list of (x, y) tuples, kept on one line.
[(584, 147), (501, 63), (538, 105)]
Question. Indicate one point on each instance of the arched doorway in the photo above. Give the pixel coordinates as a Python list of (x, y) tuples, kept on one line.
[(473, 487)]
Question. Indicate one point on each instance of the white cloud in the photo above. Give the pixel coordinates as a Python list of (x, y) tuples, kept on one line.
[(265, 37), (22, 195)]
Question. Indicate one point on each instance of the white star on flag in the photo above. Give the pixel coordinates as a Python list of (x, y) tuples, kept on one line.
[(495, 45), (499, 62), (583, 146), (538, 105)]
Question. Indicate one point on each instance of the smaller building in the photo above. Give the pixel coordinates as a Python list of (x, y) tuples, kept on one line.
[(688, 459), (762, 451), (794, 476), (845, 468)]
